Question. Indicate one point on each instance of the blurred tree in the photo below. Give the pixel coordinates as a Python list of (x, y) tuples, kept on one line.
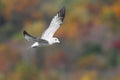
[(1, 7), (91, 48), (112, 58), (2, 17), (24, 71), (40, 56), (2, 20)]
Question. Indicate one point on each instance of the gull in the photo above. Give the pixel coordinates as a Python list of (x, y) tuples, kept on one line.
[(47, 38)]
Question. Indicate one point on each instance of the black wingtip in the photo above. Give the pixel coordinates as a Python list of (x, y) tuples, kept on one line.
[(24, 32), (63, 8), (61, 13)]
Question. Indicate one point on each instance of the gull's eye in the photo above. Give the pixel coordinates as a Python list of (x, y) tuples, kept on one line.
[(55, 39)]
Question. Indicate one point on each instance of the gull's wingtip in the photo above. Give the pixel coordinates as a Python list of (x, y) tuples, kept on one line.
[(63, 8), (24, 32), (61, 13)]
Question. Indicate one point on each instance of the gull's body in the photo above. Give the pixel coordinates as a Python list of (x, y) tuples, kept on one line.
[(47, 37)]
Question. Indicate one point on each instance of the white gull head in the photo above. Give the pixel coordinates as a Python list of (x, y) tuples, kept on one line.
[(54, 40)]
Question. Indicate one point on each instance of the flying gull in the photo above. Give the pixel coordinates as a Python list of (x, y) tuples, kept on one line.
[(47, 38)]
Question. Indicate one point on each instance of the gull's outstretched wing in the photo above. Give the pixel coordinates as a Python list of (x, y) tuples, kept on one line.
[(28, 37), (54, 25)]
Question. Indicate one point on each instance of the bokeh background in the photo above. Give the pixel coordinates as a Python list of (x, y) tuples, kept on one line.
[(89, 35)]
